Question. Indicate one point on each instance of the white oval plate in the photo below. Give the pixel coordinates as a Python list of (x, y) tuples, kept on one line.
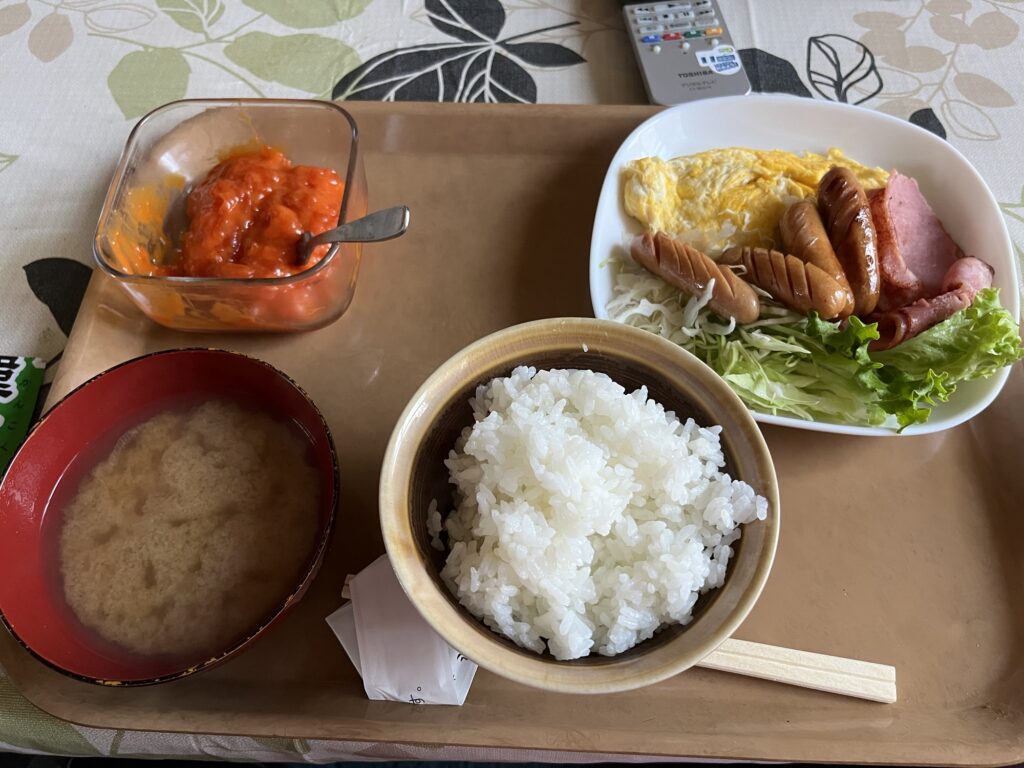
[(950, 183)]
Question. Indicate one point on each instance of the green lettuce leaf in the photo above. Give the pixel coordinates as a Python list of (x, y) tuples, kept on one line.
[(972, 344)]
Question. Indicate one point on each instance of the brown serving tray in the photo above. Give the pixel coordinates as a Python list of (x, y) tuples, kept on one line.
[(905, 551)]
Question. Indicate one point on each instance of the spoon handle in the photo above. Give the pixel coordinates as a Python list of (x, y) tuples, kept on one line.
[(379, 225), (374, 228)]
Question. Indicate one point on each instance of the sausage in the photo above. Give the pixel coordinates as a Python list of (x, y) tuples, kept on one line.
[(800, 286), (844, 209), (690, 271), (804, 236)]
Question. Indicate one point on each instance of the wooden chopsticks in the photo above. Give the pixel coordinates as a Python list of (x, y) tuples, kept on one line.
[(834, 674)]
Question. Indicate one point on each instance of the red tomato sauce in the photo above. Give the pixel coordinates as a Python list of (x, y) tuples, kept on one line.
[(247, 216)]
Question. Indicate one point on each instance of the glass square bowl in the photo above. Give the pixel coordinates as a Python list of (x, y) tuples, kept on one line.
[(143, 216)]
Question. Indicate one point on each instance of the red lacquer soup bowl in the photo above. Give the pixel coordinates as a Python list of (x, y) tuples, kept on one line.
[(83, 428)]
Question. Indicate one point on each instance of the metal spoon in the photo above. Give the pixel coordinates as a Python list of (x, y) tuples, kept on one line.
[(373, 228)]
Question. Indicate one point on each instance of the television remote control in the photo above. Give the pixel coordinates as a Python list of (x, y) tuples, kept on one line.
[(685, 51)]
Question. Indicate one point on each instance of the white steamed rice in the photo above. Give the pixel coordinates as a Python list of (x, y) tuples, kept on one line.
[(588, 517)]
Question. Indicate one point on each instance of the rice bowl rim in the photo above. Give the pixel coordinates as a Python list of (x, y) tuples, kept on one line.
[(515, 346)]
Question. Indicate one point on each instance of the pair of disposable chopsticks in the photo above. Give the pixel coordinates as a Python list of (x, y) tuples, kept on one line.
[(834, 674)]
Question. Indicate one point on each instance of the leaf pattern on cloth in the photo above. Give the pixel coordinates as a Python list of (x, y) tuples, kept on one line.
[(60, 284), (120, 17), (936, 78), (6, 161), (155, 74), (544, 54), (193, 15), (14, 17), (927, 119), (143, 80), (477, 67), (305, 61), (968, 120), (842, 69), (51, 36), (770, 74), (283, 746), (1014, 213), (982, 91), (467, 20), (26, 729), (308, 14), (994, 30)]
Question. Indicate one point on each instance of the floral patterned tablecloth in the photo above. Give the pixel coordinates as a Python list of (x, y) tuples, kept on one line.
[(76, 74)]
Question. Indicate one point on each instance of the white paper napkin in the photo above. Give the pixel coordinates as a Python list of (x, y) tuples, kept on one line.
[(395, 651)]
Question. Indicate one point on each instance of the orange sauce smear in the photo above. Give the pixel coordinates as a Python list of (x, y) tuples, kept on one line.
[(137, 241), (247, 217)]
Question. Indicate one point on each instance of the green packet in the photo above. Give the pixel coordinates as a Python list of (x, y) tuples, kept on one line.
[(20, 379)]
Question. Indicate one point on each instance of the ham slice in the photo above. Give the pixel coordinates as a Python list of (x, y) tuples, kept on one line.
[(920, 252), (925, 276), (898, 325), (968, 275), (899, 286), (961, 283)]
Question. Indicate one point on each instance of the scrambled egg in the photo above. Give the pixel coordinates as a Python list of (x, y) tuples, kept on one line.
[(725, 197)]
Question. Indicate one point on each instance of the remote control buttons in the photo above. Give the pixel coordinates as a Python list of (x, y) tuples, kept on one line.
[(669, 7)]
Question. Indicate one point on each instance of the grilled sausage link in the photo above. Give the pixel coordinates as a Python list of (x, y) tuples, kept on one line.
[(804, 236), (690, 271), (847, 216), (797, 284)]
